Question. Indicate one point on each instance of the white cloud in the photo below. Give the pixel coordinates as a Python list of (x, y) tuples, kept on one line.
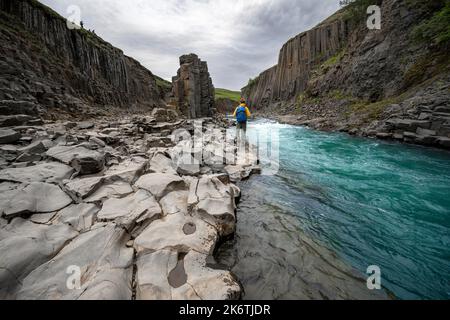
[(238, 38)]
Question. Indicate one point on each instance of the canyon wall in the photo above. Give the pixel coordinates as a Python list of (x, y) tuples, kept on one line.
[(192, 88), (390, 83), (46, 63), (297, 58)]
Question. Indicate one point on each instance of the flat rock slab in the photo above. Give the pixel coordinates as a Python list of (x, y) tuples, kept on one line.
[(43, 172), (129, 170), (162, 164), (117, 189), (168, 274), (175, 202), (9, 136), (105, 266), (34, 198), (160, 184), (83, 160), (132, 209), (23, 247), (83, 187), (175, 231), (79, 216)]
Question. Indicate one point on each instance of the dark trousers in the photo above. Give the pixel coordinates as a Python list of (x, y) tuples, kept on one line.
[(241, 130)]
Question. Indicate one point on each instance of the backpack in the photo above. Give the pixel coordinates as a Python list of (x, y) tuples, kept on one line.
[(241, 115)]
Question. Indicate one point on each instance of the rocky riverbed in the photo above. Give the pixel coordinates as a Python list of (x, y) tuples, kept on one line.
[(117, 208)]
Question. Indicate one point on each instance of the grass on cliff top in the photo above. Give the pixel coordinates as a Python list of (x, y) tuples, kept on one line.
[(435, 29), (162, 83), (228, 94)]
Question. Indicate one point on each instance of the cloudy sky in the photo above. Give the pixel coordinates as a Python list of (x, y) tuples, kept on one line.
[(238, 38)]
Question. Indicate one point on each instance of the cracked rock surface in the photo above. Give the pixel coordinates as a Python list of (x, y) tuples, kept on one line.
[(106, 209)]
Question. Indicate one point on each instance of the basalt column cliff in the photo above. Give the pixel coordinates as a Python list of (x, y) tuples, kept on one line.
[(48, 67), (192, 88), (390, 83)]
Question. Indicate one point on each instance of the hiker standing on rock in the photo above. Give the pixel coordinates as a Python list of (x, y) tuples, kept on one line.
[(242, 113)]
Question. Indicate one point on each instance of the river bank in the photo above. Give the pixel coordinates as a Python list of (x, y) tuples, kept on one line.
[(117, 208)]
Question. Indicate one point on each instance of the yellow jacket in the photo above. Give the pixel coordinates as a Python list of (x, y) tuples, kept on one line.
[(247, 111)]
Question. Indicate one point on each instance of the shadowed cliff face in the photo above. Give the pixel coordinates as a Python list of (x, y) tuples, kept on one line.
[(343, 54), (296, 60), (46, 63)]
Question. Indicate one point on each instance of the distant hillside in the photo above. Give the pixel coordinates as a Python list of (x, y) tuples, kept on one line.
[(228, 94), (226, 100)]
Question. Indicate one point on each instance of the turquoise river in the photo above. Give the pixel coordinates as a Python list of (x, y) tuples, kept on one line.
[(362, 202)]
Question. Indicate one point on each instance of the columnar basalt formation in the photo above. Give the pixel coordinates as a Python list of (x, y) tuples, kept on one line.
[(297, 58), (192, 88), (47, 64), (343, 76)]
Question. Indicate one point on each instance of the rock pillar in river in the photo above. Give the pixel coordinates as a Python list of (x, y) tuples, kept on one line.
[(192, 88)]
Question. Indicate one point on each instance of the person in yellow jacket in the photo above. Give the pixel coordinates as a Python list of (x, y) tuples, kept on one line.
[(242, 113)]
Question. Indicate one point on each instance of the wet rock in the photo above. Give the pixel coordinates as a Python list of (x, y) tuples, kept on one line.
[(134, 208), (83, 160), (444, 142), (154, 237), (9, 136), (103, 259), (160, 184), (24, 246), (35, 197)]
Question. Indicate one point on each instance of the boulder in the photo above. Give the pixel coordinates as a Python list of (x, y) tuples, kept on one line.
[(185, 232), (162, 115), (161, 164), (102, 258), (85, 125), (129, 170), (79, 216), (34, 198), (24, 246), (14, 120), (132, 209), (114, 189), (9, 136), (160, 184), (175, 202), (51, 172), (83, 187), (83, 160)]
